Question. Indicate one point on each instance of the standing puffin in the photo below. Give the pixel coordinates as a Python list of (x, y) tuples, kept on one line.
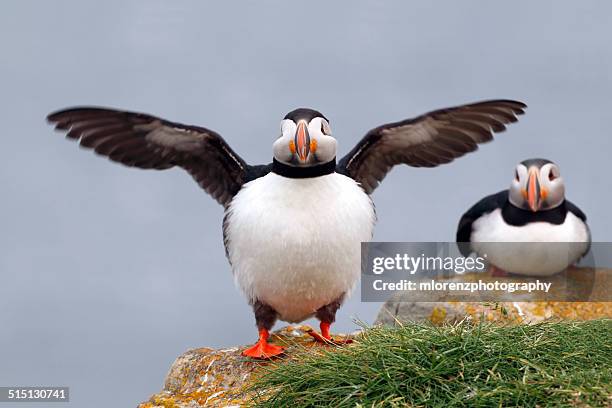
[(292, 229), (531, 214)]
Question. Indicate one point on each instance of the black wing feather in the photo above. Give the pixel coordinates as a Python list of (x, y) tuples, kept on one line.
[(575, 210), (148, 142), (428, 140), (484, 206), (571, 207)]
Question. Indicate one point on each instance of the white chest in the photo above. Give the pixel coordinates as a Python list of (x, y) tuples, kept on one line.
[(530, 252), (295, 243)]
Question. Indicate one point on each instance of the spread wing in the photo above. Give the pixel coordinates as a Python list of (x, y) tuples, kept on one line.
[(148, 142), (428, 140)]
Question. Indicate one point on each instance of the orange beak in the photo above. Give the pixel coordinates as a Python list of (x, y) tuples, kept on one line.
[(534, 193), (302, 142)]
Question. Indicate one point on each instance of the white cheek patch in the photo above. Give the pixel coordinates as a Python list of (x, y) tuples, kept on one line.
[(556, 192), (288, 127), (314, 128), (326, 148), (515, 195), (522, 173), (555, 187), (281, 151), (280, 148), (544, 175)]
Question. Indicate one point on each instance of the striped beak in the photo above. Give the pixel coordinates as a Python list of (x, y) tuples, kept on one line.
[(302, 142), (534, 189)]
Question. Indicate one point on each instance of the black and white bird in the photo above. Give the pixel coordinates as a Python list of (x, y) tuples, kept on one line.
[(292, 228), (531, 215)]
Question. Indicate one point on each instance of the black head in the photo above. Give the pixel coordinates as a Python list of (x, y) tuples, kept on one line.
[(306, 114), (539, 163), (305, 140), (537, 185)]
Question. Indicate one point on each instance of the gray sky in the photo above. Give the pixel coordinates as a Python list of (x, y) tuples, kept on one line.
[(109, 273)]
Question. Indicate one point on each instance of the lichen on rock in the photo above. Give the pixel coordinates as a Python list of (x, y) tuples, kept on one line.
[(403, 306), (206, 377)]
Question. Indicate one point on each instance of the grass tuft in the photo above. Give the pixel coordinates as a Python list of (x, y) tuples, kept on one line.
[(463, 365)]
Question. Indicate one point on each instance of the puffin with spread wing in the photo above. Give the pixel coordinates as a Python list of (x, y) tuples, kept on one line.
[(292, 228)]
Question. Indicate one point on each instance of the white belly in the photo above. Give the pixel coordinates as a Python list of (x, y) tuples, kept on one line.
[(530, 252), (294, 244)]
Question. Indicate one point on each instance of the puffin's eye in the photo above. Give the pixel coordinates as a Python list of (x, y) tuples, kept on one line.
[(323, 128), (516, 175), (551, 175)]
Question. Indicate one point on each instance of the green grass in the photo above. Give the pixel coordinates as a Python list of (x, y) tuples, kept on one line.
[(554, 364)]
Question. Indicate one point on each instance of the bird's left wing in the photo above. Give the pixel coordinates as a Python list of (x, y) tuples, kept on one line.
[(428, 140), (148, 142)]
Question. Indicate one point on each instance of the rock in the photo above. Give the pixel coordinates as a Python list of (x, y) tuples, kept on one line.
[(593, 284), (206, 377), (398, 310)]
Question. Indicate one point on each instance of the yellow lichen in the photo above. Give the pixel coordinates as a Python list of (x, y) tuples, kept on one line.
[(438, 315), (217, 378)]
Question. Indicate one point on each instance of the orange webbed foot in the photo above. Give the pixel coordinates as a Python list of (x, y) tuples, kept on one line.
[(262, 349), (325, 337)]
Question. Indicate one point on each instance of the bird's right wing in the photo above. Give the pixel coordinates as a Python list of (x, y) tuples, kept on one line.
[(148, 142)]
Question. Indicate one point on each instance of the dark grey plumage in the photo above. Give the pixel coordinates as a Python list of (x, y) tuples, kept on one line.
[(428, 140), (149, 142)]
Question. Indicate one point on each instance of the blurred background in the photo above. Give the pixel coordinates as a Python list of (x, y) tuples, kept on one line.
[(109, 273)]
